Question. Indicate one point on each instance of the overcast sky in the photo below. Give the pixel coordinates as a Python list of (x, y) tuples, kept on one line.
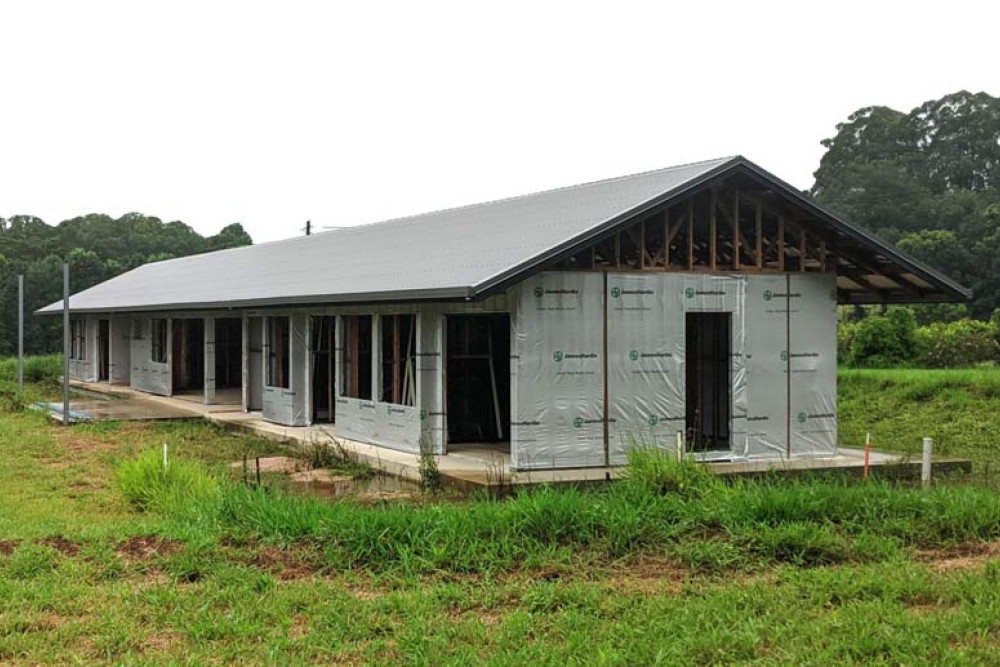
[(343, 113)]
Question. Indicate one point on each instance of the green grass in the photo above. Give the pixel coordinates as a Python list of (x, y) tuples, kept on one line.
[(959, 408), (37, 369), (104, 557)]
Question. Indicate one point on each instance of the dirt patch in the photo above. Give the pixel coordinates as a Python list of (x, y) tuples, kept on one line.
[(146, 547), (277, 464), (318, 476), (960, 557), (80, 442), (62, 545), (299, 627), (648, 574), (160, 643), (286, 564), (7, 546)]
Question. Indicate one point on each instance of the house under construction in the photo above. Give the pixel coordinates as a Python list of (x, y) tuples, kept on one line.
[(696, 301)]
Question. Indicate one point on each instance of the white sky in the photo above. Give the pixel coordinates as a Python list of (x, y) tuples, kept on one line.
[(220, 112)]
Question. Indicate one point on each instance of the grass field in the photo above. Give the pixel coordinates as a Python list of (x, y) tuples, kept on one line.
[(959, 408), (669, 567)]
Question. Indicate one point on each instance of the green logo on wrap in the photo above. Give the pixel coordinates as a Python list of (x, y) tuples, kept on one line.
[(578, 422), (689, 293), (616, 292), (768, 295), (653, 420), (801, 418), (539, 291), (634, 355), (784, 356), (423, 415), (558, 355)]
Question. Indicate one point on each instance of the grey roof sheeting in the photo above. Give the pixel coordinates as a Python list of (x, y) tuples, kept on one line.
[(459, 253)]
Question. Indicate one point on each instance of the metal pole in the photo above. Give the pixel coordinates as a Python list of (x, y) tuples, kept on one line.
[(925, 465), (20, 334), (65, 414)]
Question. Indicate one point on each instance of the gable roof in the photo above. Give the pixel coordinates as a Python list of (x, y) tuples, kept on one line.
[(460, 253)]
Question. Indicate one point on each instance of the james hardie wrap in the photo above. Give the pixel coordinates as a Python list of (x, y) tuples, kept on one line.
[(558, 366), (557, 343)]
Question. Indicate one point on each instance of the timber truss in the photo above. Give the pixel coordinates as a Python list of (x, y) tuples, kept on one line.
[(743, 223)]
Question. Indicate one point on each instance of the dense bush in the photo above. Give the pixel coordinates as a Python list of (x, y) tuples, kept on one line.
[(894, 339), (960, 343), (884, 340)]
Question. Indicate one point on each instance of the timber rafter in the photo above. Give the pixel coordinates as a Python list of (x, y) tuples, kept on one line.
[(733, 227)]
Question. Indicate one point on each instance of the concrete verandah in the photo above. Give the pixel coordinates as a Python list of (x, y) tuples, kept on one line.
[(473, 466)]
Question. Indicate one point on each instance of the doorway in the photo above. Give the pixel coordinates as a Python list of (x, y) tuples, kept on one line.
[(324, 368), (188, 342), (255, 363), (228, 359), (708, 363), (103, 350), (477, 378)]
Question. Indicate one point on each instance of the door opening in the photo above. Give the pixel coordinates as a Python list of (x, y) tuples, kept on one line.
[(708, 362), (103, 350), (255, 363), (188, 342), (478, 378), (228, 359), (323, 368)]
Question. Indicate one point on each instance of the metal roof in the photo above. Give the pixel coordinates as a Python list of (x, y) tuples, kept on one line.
[(459, 253)]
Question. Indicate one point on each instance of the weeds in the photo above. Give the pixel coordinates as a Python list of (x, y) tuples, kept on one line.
[(333, 455), (430, 476)]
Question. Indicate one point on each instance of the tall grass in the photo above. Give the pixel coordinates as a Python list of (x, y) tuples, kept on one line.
[(39, 369), (149, 484), (663, 505)]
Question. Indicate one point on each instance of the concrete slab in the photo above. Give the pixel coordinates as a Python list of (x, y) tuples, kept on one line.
[(130, 409), (488, 467)]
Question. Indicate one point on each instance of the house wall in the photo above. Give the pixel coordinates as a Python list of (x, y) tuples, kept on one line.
[(398, 426), (148, 375), (121, 348), (559, 364), (86, 369), (558, 368), (289, 405)]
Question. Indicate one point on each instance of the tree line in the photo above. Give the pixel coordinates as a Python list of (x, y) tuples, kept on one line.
[(927, 181), (96, 247)]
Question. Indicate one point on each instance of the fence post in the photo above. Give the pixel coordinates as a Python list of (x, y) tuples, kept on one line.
[(925, 465), (66, 348), (20, 335)]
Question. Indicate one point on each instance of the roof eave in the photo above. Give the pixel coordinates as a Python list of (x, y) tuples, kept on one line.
[(396, 296)]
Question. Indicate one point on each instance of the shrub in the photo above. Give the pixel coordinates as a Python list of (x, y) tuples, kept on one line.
[(845, 338), (884, 340), (960, 343)]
